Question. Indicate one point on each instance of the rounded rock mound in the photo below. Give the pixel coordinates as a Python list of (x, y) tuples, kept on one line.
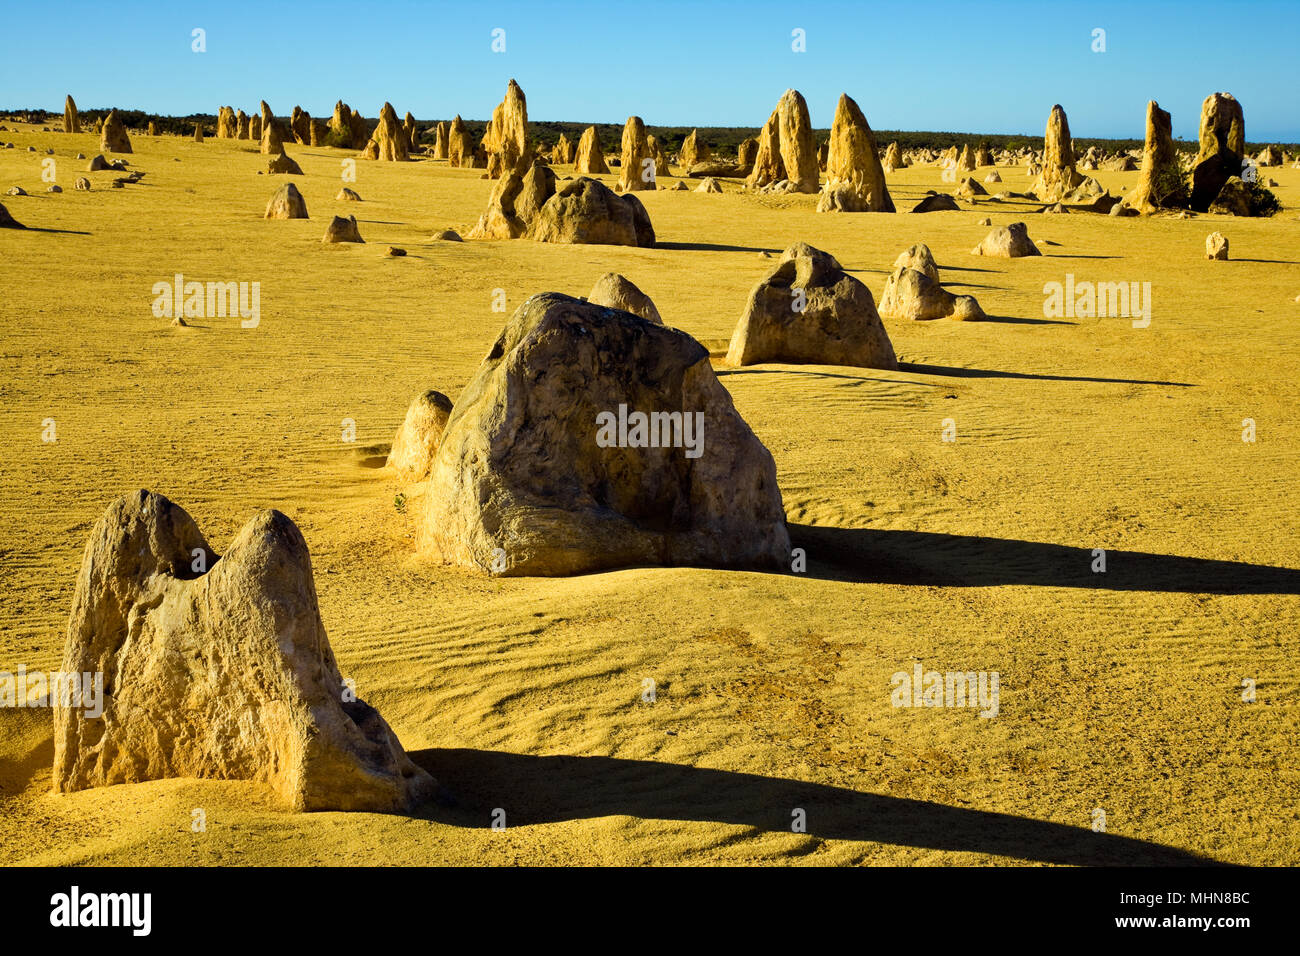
[(592, 439), (810, 310)]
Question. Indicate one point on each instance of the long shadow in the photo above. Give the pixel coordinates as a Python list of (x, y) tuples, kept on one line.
[(956, 372), (791, 371), (951, 268), (1275, 262), (1057, 255), (930, 559), (1018, 320), (712, 247), (67, 232), (534, 790)]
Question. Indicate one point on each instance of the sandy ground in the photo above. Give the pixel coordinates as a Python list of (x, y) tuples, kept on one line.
[(1120, 691)]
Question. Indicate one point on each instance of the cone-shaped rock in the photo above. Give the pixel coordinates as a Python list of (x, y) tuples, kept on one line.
[(1161, 184), (1058, 175), (227, 126), (693, 151), (615, 292), (506, 139), (272, 139), (222, 674), (71, 123), (855, 180), (589, 160), (920, 258), (286, 203), (113, 138), (300, 126), (342, 229), (419, 435), (1223, 146), (389, 139), (459, 150), (786, 148), (638, 169)]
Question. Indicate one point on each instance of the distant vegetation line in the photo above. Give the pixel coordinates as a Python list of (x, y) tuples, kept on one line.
[(721, 139)]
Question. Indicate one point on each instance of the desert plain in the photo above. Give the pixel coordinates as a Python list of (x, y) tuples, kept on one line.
[(1120, 691)]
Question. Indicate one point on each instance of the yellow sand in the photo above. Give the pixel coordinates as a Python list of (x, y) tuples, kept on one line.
[(1120, 691)]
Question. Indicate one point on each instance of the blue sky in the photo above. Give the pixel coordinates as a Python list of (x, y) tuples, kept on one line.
[(995, 67)]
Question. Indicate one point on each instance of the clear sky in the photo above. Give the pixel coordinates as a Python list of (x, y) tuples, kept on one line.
[(960, 66)]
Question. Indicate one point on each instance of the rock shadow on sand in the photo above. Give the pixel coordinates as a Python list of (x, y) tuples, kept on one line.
[(930, 559), (556, 789)]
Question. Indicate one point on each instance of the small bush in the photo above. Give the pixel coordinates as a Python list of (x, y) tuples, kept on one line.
[(339, 138), (1262, 201)]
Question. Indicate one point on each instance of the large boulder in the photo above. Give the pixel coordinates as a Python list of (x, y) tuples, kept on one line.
[(1007, 242), (585, 210), (113, 138), (615, 292), (241, 125), (1216, 247), (786, 148), (910, 294), (441, 149), (217, 667), (419, 435), (283, 164), (1233, 199), (1222, 148), (638, 169), (342, 229), (286, 203), (409, 131), (810, 310), (1058, 176), (591, 439), (855, 180), (589, 160)]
